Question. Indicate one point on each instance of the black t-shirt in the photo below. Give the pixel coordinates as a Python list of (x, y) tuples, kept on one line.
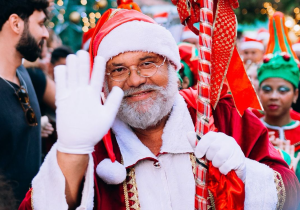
[(20, 144), (38, 79)]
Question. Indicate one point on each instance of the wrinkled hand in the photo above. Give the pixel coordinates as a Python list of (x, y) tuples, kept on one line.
[(275, 141), (286, 146), (82, 120), (223, 151), (290, 149)]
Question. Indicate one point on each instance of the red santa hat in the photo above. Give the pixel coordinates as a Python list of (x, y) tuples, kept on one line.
[(86, 39), (187, 33), (119, 31), (250, 43), (263, 34), (161, 17)]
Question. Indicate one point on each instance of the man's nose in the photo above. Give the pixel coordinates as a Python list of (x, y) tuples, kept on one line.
[(45, 33), (134, 79)]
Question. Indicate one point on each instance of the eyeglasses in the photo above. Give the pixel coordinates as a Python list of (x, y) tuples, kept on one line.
[(145, 69), (24, 101)]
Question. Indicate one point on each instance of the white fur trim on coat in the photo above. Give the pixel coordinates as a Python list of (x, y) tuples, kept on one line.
[(171, 186), (174, 136), (49, 186), (260, 187), (140, 36)]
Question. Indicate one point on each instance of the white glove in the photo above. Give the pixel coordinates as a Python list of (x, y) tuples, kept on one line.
[(82, 120), (223, 151)]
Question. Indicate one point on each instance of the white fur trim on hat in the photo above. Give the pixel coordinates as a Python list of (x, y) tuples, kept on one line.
[(296, 47), (263, 36), (251, 45), (140, 36), (161, 20), (86, 45), (188, 34), (111, 172)]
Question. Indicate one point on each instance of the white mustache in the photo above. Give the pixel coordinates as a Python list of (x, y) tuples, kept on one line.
[(143, 88)]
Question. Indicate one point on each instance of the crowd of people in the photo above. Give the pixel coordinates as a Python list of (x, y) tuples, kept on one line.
[(113, 126)]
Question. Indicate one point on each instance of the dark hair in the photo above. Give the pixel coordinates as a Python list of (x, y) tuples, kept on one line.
[(23, 8), (60, 52)]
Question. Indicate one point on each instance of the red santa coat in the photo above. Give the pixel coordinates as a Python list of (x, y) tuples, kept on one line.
[(249, 133)]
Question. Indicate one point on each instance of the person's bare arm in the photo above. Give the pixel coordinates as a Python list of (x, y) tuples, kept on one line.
[(49, 94), (73, 167)]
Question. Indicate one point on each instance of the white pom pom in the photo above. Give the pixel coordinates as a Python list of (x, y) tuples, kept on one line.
[(111, 173)]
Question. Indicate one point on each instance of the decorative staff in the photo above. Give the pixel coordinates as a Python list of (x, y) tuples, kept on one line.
[(217, 54)]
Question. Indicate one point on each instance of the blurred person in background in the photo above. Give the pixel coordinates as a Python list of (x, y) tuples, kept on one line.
[(189, 37), (296, 48), (43, 85), (278, 88), (252, 51), (239, 39), (263, 35), (22, 35), (58, 57), (54, 41), (189, 58), (252, 74)]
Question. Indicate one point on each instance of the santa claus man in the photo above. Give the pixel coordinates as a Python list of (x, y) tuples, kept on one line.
[(136, 60)]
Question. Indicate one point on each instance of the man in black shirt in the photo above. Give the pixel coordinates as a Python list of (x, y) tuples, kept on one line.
[(22, 33)]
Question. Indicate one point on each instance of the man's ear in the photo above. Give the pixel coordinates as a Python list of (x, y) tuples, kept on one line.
[(16, 23)]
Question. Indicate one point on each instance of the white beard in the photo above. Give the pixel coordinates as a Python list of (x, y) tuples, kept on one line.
[(147, 113)]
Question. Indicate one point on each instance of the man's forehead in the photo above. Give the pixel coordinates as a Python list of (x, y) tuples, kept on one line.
[(136, 55), (252, 50)]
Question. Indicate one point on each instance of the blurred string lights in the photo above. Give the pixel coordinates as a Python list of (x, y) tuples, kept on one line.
[(292, 21), (70, 18), (88, 19)]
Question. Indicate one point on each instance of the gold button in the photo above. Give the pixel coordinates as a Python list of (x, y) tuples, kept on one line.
[(156, 164)]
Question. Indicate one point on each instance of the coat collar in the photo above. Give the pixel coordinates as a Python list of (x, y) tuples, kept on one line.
[(174, 136)]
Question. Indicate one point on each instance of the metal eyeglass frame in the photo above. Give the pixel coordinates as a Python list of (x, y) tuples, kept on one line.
[(138, 72)]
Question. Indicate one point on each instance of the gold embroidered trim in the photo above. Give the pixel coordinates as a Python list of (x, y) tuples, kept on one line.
[(212, 201), (32, 199), (130, 191), (113, 13), (281, 194), (193, 161), (296, 144), (126, 195)]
